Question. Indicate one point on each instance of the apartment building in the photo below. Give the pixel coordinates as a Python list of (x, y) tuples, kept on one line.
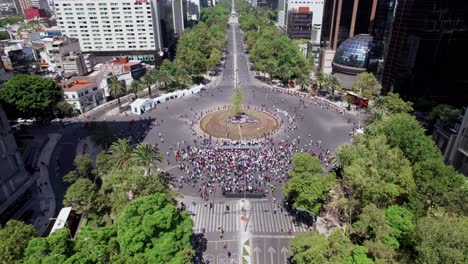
[(83, 95), (15, 182), (110, 28)]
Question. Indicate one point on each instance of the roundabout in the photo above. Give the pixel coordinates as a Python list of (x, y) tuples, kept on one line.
[(254, 124)]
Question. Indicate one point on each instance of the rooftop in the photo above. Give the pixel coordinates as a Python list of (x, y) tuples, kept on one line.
[(77, 85)]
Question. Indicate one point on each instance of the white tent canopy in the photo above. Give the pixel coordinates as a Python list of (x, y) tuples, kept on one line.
[(139, 106)]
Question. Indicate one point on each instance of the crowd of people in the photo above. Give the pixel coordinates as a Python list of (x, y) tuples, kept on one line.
[(228, 168)]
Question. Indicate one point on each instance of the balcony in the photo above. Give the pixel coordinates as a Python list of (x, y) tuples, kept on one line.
[(463, 148)]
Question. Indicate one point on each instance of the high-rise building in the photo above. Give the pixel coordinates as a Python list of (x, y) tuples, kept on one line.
[(110, 28), (300, 23), (22, 5), (15, 181), (287, 7), (427, 51)]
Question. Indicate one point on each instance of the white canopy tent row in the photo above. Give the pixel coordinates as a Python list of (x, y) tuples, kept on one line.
[(140, 105)]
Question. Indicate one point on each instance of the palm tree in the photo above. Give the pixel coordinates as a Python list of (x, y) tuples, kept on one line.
[(334, 84), (303, 81), (145, 155), (344, 156), (117, 89), (147, 80), (321, 80), (136, 87), (120, 153), (164, 77), (184, 79)]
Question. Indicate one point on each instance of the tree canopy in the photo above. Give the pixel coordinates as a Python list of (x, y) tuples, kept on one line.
[(367, 85), (307, 188), (14, 238), (149, 230), (26, 95)]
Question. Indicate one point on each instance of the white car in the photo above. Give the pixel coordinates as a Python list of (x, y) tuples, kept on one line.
[(22, 120)]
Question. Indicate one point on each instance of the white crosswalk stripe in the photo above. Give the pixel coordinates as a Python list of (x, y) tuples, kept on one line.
[(218, 216), (264, 219)]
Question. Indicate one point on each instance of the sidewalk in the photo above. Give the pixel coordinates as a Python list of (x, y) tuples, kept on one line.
[(46, 196)]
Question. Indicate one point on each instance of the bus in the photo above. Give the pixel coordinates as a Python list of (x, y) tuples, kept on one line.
[(357, 99)]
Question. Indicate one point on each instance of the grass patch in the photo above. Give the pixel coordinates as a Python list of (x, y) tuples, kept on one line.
[(244, 252), (247, 243), (244, 261)]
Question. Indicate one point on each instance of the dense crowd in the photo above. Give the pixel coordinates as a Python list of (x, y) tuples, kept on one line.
[(232, 167)]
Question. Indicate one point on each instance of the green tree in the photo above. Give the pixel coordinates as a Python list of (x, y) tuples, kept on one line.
[(334, 84), (304, 163), (136, 87), (121, 152), (71, 177), (312, 247), (434, 179), (120, 187), (359, 256), (303, 81), (321, 81), (82, 195), (455, 201), (367, 85), (117, 89), (344, 156), (146, 155), (445, 114), (405, 133), (164, 77), (149, 79), (307, 188), (152, 230), (96, 246), (56, 248), (237, 100), (442, 239), (14, 238), (103, 164), (394, 104), (372, 227), (380, 175), (401, 220), (64, 109), (28, 96), (84, 166), (308, 248)]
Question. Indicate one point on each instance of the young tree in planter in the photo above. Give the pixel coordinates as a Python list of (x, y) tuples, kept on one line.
[(237, 101)]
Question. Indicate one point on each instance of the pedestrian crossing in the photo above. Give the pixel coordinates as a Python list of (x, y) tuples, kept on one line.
[(264, 220), (211, 219), (261, 214)]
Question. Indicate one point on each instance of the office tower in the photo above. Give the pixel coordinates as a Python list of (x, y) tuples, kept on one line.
[(427, 51), (15, 181), (110, 28), (290, 7), (300, 23)]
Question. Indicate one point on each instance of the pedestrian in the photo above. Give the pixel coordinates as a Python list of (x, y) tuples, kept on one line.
[(229, 254)]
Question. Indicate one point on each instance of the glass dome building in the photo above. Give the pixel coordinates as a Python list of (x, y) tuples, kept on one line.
[(352, 55)]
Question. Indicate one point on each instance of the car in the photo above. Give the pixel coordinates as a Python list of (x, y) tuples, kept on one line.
[(22, 120), (68, 123)]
